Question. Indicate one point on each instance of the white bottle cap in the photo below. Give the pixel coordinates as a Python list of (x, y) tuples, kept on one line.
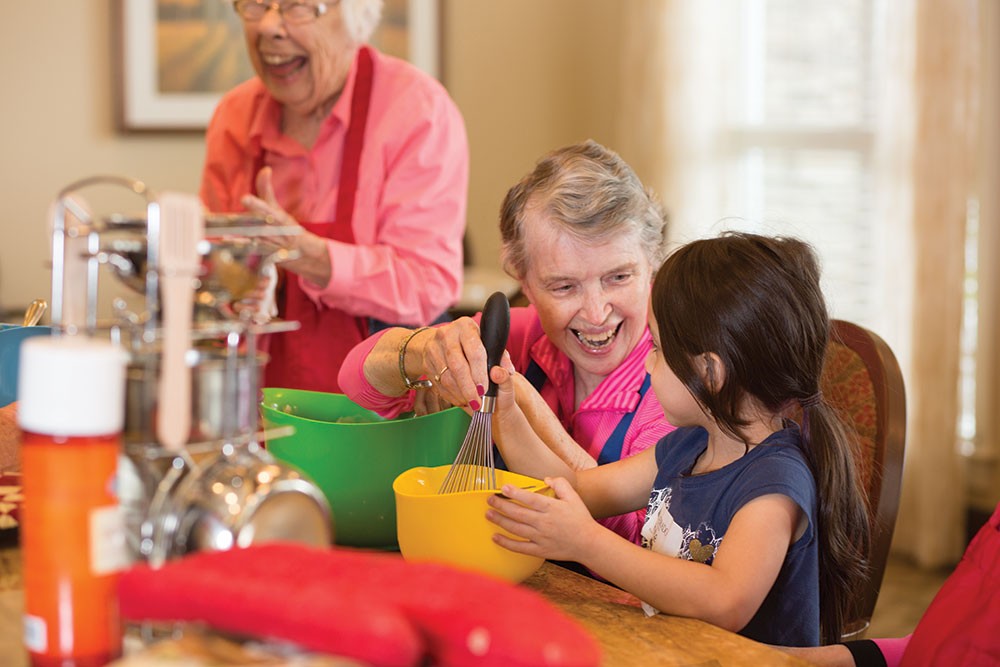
[(71, 386)]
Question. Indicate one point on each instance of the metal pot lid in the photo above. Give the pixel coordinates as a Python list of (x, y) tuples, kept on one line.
[(216, 224)]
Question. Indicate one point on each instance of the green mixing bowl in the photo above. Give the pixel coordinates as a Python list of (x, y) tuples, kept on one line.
[(354, 455)]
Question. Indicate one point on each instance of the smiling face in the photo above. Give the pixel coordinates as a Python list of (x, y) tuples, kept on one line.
[(591, 296), (303, 66)]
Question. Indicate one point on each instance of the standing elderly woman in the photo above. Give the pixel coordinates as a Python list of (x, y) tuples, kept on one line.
[(584, 238), (364, 151)]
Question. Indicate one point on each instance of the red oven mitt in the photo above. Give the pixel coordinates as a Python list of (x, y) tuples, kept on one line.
[(468, 618), (276, 593), (464, 618)]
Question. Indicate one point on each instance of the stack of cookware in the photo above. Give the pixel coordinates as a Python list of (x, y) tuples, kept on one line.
[(193, 474)]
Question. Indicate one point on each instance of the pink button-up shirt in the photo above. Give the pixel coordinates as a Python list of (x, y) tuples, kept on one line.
[(405, 265)]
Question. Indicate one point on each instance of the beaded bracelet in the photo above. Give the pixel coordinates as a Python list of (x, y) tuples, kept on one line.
[(411, 384)]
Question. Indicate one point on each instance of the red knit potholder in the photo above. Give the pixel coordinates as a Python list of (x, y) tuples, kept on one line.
[(373, 607)]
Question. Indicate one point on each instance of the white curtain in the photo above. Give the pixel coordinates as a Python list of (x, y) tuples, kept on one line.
[(928, 151), (671, 92), (933, 179), (984, 460)]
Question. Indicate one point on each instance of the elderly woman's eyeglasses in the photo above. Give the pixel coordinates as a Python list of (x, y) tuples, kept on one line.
[(293, 12)]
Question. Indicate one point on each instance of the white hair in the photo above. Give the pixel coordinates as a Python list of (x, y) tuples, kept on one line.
[(361, 17)]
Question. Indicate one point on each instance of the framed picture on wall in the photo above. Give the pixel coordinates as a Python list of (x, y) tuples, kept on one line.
[(175, 58)]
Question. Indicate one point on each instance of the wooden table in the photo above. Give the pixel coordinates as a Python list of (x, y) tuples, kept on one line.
[(628, 637), (11, 601)]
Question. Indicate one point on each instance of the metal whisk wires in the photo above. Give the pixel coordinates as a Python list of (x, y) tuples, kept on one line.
[(474, 468)]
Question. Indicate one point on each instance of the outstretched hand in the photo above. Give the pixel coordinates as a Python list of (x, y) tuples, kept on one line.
[(266, 204), (555, 528), (311, 256)]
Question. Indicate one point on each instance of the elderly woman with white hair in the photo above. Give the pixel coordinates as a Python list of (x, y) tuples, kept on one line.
[(363, 151)]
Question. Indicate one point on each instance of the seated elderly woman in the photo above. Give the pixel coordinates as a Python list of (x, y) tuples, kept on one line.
[(584, 238)]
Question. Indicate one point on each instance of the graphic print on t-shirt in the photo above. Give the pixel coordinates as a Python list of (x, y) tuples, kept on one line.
[(663, 535)]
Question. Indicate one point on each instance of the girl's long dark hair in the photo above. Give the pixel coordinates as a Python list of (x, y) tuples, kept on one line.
[(756, 302)]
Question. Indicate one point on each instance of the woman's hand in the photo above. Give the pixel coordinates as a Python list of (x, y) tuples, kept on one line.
[(555, 528), (453, 357), (426, 402), (313, 261)]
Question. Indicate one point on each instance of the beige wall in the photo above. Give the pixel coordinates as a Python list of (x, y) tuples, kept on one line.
[(527, 75)]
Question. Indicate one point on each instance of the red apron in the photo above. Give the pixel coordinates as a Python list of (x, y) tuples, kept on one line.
[(310, 357)]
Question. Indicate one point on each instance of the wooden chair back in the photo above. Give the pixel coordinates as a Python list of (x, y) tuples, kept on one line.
[(862, 380)]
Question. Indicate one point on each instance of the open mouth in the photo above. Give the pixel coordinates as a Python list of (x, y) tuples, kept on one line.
[(597, 341), (282, 65)]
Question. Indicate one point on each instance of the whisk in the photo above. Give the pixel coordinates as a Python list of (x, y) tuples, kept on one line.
[(474, 468)]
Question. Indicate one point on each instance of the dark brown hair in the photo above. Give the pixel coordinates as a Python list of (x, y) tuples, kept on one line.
[(756, 302)]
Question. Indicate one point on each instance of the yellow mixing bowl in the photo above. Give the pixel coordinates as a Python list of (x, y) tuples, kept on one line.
[(452, 528)]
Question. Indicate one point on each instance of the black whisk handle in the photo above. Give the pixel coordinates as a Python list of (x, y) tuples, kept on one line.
[(494, 328)]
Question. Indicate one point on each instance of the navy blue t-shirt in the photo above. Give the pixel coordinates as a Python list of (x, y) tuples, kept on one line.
[(688, 516)]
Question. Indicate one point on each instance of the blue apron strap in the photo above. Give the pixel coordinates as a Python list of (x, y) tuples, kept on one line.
[(612, 450), (535, 375)]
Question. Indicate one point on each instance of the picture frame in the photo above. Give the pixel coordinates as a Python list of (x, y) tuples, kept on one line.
[(175, 58)]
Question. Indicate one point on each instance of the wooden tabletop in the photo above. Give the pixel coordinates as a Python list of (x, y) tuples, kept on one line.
[(11, 601), (627, 636)]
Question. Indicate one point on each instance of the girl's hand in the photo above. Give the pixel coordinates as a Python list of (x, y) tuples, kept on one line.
[(555, 528), (521, 440)]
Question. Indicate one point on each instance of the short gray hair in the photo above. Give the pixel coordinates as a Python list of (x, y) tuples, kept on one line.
[(589, 191), (361, 17)]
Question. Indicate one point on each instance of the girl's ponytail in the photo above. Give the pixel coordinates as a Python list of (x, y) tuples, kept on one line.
[(844, 528)]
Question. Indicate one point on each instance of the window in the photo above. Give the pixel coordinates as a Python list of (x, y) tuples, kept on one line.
[(796, 138), (796, 149)]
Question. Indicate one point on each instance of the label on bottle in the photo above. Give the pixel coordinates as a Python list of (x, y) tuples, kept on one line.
[(35, 634), (108, 552)]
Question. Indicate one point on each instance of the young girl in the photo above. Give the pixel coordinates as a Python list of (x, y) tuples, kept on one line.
[(753, 523)]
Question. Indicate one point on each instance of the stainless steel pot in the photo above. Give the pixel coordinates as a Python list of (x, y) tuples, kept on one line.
[(223, 395)]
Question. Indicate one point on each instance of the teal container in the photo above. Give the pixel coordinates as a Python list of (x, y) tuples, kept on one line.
[(11, 337), (353, 455)]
